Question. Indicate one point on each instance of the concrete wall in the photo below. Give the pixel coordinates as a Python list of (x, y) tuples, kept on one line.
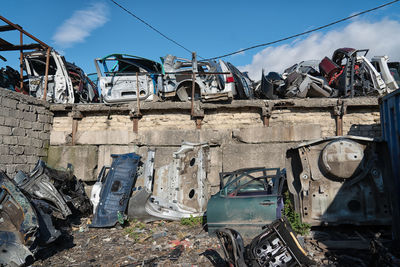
[(25, 124), (235, 132)]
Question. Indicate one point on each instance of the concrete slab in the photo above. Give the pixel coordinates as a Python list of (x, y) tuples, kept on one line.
[(83, 158), (104, 154), (238, 156), (166, 137), (278, 133)]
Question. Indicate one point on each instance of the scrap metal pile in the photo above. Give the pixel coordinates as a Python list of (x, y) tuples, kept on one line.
[(347, 74), (332, 181), (124, 78), (275, 246), (175, 191), (32, 208)]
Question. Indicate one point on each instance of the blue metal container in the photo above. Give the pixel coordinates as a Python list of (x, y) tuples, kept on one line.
[(390, 123)]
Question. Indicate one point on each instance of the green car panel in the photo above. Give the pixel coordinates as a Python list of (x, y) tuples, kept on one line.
[(248, 200)]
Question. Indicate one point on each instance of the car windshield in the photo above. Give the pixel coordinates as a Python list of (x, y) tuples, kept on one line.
[(252, 182)]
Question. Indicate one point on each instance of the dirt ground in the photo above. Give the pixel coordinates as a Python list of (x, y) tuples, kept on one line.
[(136, 244), (165, 243)]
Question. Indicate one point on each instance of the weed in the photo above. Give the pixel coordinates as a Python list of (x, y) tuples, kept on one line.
[(192, 221), (294, 218), (135, 229)]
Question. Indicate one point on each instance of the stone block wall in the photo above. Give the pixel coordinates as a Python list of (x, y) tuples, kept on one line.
[(25, 124), (235, 132)]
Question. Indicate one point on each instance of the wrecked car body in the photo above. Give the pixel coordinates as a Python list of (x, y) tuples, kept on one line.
[(249, 198), (269, 85), (38, 184), (10, 79), (394, 68), (277, 245), (348, 73), (178, 190), (339, 180), (352, 74), (67, 83), (178, 80), (305, 80), (84, 89), (141, 194), (18, 225), (381, 65), (123, 74), (56, 190), (116, 190), (243, 84), (60, 89)]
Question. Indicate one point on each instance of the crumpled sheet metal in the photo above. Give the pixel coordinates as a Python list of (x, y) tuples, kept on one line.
[(40, 185), (181, 188), (18, 226), (140, 195), (339, 180), (178, 190), (12, 251), (116, 190), (349, 73)]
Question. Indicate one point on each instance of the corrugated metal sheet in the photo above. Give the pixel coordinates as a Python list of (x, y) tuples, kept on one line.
[(390, 123)]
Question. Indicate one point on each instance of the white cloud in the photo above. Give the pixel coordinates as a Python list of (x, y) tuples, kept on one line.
[(382, 38), (80, 25)]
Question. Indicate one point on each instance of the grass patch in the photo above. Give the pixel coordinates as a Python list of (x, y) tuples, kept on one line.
[(294, 218), (134, 229), (193, 221)]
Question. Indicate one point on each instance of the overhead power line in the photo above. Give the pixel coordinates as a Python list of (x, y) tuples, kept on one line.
[(306, 32), (151, 27)]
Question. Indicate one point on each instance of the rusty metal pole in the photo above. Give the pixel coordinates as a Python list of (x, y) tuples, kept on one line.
[(266, 121), (339, 125), (194, 69), (339, 111), (19, 28), (137, 114), (74, 130), (266, 113), (137, 93), (193, 88), (76, 116), (46, 77), (21, 76)]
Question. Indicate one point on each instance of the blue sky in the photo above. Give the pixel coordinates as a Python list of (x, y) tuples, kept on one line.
[(83, 30)]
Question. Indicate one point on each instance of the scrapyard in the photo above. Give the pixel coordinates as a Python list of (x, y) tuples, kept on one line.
[(190, 162)]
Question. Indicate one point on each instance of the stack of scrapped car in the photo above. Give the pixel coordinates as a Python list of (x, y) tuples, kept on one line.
[(214, 81), (126, 77), (348, 74)]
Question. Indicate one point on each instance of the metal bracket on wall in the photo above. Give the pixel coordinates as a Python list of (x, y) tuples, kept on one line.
[(135, 117), (197, 114), (76, 116), (339, 111), (266, 113)]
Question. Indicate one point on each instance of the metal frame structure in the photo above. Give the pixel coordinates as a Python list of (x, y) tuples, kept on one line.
[(7, 46)]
